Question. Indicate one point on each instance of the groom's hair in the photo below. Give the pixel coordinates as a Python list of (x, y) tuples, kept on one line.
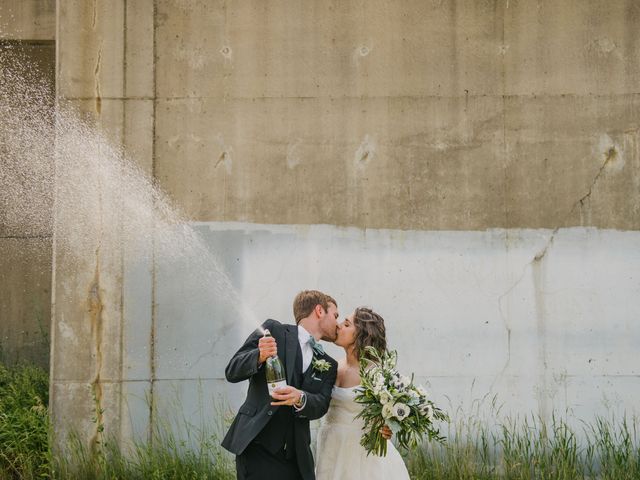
[(306, 301)]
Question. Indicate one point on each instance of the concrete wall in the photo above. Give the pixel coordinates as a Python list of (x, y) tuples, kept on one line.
[(33, 20), (470, 312), (105, 70), (26, 248), (476, 164)]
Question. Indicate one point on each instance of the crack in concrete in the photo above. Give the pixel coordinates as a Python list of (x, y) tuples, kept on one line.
[(95, 309), (505, 321), (96, 73), (94, 19), (205, 354), (610, 156)]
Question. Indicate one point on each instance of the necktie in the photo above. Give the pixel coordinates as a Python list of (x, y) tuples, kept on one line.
[(316, 346)]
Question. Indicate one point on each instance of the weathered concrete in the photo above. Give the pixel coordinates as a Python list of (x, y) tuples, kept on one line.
[(440, 115), (28, 19), (440, 134), (26, 216), (25, 299), (471, 313), (105, 69), (432, 163)]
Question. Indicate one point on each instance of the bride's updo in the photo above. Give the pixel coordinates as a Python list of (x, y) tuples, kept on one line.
[(370, 331)]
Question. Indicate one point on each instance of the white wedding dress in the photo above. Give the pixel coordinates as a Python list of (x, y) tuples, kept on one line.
[(339, 455)]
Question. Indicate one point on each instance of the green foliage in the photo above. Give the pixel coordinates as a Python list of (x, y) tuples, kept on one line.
[(510, 448), (529, 448), (25, 451), (164, 458), (24, 422), (178, 449), (389, 398)]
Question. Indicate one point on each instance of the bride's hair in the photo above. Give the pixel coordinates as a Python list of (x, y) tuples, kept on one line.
[(370, 331)]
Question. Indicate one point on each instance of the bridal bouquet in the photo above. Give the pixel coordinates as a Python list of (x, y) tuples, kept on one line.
[(393, 399)]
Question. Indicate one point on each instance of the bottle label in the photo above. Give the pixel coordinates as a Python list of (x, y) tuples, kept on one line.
[(273, 385)]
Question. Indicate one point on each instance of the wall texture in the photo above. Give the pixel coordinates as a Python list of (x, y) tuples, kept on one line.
[(475, 165), (33, 20), (28, 28)]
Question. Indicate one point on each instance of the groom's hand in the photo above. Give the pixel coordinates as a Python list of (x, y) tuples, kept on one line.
[(268, 348), (286, 396)]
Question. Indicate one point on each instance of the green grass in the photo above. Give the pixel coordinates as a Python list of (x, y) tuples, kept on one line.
[(165, 458), (24, 422), (530, 448), (477, 448)]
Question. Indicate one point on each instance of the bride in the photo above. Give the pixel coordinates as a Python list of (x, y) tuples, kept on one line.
[(339, 453)]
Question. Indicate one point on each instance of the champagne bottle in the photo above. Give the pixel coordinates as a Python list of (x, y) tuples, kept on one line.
[(274, 371)]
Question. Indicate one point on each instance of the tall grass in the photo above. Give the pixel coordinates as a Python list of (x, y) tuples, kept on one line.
[(25, 451), (481, 448), (179, 449), (166, 458), (24, 422), (531, 448)]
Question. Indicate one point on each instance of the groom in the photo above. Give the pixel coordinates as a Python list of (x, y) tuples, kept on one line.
[(270, 436)]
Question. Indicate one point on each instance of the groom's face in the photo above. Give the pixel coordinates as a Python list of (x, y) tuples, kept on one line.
[(329, 323)]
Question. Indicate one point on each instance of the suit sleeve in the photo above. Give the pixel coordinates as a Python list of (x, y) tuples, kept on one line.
[(317, 404), (244, 363)]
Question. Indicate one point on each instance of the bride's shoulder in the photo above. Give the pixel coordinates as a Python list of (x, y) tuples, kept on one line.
[(342, 368)]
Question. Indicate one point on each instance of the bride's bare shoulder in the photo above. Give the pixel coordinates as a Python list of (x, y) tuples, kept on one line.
[(342, 366)]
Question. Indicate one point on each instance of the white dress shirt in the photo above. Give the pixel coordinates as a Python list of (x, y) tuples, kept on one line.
[(307, 350)]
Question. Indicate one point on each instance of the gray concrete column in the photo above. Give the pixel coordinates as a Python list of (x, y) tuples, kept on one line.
[(105, 72)]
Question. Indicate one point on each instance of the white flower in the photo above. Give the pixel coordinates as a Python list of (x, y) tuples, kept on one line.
[(421, 391), (321, 365), (385, 397), (400, 411), (400, 382), (427, 410), (387, 410)]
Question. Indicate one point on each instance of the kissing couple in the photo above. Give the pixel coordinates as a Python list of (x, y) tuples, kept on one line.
[(270, 434)]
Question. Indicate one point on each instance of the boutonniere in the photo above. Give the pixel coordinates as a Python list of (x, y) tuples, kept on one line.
[(320, 365)]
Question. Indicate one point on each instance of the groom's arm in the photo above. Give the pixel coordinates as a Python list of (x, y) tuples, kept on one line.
[(317, 404), (245, 362)]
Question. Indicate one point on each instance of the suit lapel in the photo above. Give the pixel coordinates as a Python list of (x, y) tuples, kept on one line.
[(291, 348), (309, 371)]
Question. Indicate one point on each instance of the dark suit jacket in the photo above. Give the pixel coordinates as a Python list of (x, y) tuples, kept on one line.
[(256, 411)]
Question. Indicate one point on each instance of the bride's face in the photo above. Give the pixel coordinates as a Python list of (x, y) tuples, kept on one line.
[(346, 332)]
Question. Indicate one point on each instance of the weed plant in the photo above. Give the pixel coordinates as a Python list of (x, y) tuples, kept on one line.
[(478, 447), (166, 457), (528, 448), (24, 422), (177, 449)]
